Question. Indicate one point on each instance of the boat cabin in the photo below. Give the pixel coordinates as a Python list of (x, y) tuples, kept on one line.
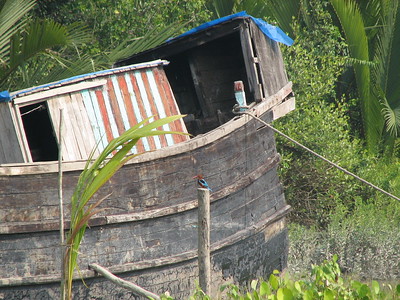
[(206, 61), (97, 107), (195, 76)]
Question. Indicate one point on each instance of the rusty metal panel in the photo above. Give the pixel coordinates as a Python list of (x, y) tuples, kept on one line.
[(128, 98), (101, 106)]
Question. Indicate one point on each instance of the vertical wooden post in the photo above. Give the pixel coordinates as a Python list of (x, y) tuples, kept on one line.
[(60, 198), (203, 196)]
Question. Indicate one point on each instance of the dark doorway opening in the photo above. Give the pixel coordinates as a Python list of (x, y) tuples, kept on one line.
[(39, 132)]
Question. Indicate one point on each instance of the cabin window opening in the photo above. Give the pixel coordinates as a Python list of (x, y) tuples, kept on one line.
[(202, 81), (39, 132), (180, 78)]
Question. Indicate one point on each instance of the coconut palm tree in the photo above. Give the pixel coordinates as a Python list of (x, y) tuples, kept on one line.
[(34, 51), (372, 31), (29, 48)]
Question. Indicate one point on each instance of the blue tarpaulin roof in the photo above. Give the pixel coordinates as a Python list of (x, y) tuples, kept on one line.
[(273, 32), (5, 96)]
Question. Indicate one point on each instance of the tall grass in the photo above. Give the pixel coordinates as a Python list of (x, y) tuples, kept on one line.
[(94, 175), (367, 241)]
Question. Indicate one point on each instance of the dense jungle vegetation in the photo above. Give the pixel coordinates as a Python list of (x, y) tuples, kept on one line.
[(345, 69)]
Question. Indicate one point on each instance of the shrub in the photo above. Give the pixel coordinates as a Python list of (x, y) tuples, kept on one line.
[(325, 282)]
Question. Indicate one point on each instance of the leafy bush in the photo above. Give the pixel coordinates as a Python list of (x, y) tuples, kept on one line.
[(325, 282), (337, 213), (314, 64)]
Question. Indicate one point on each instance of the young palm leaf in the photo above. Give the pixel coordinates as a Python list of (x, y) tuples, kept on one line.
[(95, 174)]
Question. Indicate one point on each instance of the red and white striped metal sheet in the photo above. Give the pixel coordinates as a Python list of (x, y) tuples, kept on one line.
[(100, 106), (128, 98)]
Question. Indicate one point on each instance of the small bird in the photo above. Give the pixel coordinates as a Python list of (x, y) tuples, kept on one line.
[(202, 183)]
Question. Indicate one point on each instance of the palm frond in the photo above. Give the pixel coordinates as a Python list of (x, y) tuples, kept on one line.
[(221, 8), (41, 35), (355, 61), (38, 37), (284, 12), (61, 68), (255, 8), (387, 74), (150, 40), (352, 24), (391, 116), (12, 20)]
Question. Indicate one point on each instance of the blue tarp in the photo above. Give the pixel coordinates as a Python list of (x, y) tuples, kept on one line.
[(5, 96), (273, 32)]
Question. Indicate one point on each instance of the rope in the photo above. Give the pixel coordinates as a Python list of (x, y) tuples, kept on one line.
[(321, 157), (40, 107)]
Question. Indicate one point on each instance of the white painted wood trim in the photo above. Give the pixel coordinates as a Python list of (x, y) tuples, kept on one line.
[(19, 128), (284, 108)]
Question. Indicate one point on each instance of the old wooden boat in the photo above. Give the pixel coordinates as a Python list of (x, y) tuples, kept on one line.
[(148, 233)]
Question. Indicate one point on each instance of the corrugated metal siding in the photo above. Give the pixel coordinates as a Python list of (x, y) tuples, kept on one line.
[(129, 98)]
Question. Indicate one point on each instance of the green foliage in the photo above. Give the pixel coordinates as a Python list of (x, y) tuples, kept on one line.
[(22, 39), (276, 11), (35, 51), (40, 39), (26, 41), (320, 122), (197, 295), (11, 21), (113, 22), (325, 282), (318, 56), (93, 177), (372, 30), (351, 21), (342, 215), (256, 8)]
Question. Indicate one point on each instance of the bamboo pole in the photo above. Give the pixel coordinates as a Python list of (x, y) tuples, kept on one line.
[(123, 283), (203, 196), (60, 198)]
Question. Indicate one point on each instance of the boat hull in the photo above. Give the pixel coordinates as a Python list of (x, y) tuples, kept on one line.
[(250, 258), (148, 232)]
